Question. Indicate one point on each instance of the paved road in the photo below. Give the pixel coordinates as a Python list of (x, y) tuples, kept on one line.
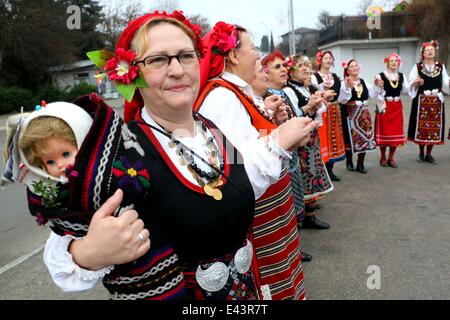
[(396, 219)]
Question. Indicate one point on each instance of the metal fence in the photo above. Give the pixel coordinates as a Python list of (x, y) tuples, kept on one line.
[(392, 25)]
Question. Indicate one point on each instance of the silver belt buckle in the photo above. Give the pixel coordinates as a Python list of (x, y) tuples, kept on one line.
[(215, 276)]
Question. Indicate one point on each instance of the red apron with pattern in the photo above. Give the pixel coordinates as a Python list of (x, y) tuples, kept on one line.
[(360, 128), (429, 120), (331, 136), (389, 125)]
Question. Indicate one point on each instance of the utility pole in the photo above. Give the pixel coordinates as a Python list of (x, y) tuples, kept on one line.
[(291, 27)]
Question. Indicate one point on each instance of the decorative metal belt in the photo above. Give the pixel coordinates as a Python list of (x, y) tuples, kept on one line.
[(216, 275)]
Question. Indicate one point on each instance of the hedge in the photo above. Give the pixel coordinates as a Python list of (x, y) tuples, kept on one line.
[(12, 98)]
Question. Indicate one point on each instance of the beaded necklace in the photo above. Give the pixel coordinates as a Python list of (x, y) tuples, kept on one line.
[(436, 71), (215, 160)]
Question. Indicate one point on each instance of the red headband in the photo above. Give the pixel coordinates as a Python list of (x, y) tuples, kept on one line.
[(131, 108), (386, 60), (218, 42)]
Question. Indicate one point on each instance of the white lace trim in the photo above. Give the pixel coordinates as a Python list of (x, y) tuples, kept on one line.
[(89, 275)]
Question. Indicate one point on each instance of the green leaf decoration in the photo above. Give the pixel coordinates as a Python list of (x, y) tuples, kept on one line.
[(144, 182), (126, 90), (119, 165), (100, 57), (140, 81)]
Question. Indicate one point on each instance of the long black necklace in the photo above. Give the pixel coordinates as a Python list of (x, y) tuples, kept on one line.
[(186, 155)]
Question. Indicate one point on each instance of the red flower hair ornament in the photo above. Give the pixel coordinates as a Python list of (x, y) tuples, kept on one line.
[(225, 37)]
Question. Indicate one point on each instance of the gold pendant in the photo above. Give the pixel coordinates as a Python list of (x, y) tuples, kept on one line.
[(217, 195), (171, 144), (182, 162), (209, 190)]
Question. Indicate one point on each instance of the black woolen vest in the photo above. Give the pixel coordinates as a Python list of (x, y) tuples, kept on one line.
[(197, 226), (336, 86), (390, 91)]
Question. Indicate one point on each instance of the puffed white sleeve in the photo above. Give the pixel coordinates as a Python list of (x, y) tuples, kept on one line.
[(413, 89), (345, 93), (445, 81), (374, 91), (406, 87), (316, 84), (262, 160), (65, 273)]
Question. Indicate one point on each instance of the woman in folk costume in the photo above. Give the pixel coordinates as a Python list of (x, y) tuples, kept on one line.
[(389, 120), (330, 133), (228, 69), (357, 121), (316, 181), (188, 161), (429, 79)]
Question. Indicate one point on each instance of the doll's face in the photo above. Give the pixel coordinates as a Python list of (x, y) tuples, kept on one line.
[(57, 156)]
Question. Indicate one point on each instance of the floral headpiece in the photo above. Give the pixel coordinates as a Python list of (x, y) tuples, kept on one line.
[(344, 64), (433, 43), (120, 66), (386, 60), (225, 37), (291, 64)]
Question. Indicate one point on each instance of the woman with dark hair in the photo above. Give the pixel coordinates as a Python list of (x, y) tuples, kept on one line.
[(429, 79), (228, 69), (331, 135), (357, 126)]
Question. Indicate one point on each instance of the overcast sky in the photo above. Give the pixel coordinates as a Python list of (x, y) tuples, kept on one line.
[(262, 16)]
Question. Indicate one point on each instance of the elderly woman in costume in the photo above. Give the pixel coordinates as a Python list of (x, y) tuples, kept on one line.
[(316, 181), (357, 125), (330, 133), (189, 160), (429, 80), (389, 118), (228, 69)]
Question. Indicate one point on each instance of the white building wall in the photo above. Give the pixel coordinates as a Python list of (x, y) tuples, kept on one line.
[(371, 53)]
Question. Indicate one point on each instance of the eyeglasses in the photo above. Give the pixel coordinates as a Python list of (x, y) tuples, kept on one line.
[(278, 66), (160, 61)]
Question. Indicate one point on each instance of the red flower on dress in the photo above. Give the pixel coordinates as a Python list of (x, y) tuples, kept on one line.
[(225, 36), (121, 68)]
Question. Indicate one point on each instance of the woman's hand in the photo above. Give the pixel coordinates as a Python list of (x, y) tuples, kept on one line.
[(418, 82), (294, 133), (314, 103), (281, 115), (349, 83), (111, 240)]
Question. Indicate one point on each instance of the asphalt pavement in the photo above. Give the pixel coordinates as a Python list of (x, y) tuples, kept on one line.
[(393, 221)]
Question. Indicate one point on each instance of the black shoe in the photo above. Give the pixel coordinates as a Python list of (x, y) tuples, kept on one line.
[(305, 256), (421, 158), (350, 166), (392, 164), (429, 158), (333, 177), (312, 208), (312, 222), (360, 168)]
